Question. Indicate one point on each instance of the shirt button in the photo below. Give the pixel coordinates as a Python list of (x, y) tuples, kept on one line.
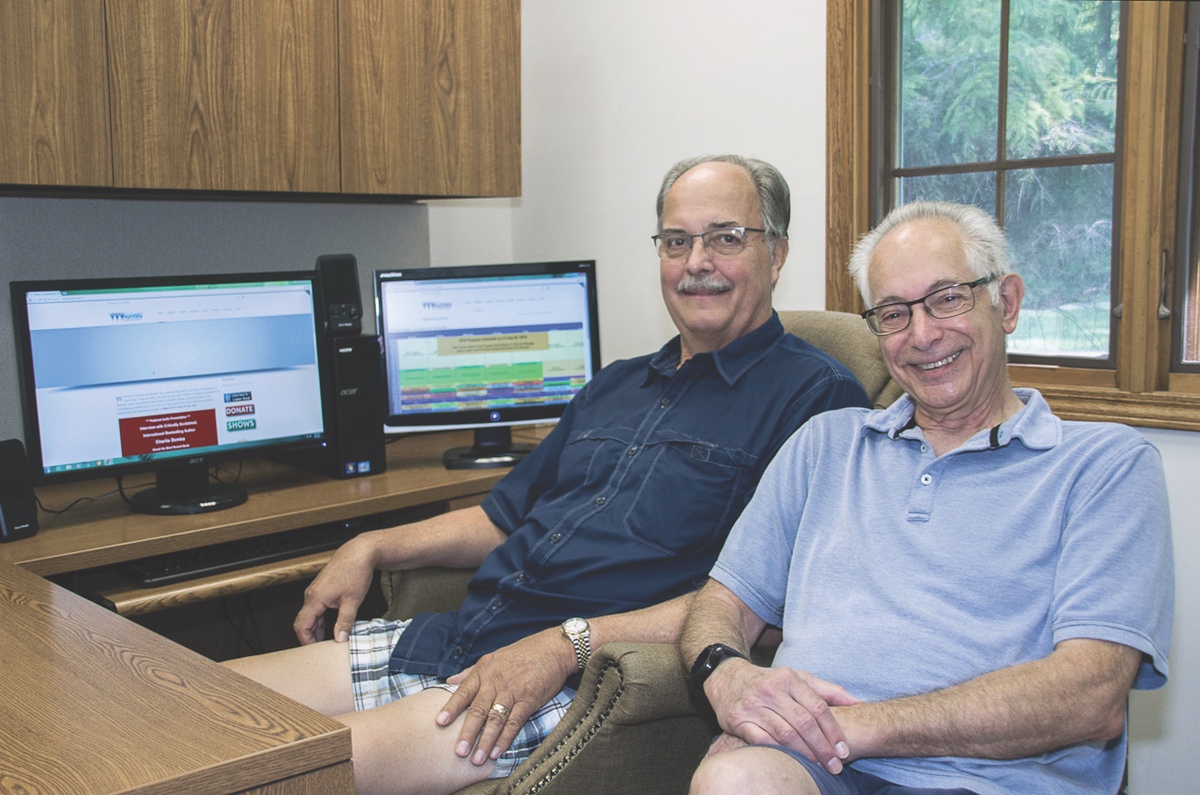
[(600, 500), (664, 402), (555, 538), (522, 577), (926, 479), (458, 651), (924, 448), (631, 452)]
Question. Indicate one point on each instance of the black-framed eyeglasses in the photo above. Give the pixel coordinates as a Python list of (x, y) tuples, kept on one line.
[(727, 240), (946, 302)]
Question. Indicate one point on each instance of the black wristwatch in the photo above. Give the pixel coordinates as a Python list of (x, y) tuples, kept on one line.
[(707, 662)]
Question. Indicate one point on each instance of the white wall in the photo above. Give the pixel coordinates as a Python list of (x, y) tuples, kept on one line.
[(1165, 724), (612, 94)]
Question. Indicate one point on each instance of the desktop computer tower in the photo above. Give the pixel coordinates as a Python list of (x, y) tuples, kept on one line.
[(355, 391), (18, 506)]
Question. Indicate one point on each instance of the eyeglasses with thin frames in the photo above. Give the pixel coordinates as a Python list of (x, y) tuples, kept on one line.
[(726, 241), (943, 303)]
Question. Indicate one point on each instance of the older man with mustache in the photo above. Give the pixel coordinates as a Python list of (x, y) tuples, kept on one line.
[(601, 534)]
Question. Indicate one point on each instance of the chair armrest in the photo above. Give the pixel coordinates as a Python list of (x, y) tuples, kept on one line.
[(428, 590), (632, 727)]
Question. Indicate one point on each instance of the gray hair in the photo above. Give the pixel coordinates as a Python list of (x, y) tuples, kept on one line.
[(984, 246), (774, 196)]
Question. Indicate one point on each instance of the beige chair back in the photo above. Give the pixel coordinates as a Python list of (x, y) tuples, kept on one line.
[(845, 337)]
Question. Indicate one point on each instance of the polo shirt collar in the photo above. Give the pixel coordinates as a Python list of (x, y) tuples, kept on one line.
[(1035, 426), (731, 362)]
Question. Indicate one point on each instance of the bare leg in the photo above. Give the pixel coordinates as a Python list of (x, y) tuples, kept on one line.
[(397, 748), (763, 771), (317, 675)]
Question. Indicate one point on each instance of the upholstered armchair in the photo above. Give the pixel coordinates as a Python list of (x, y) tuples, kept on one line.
[(632, 728)]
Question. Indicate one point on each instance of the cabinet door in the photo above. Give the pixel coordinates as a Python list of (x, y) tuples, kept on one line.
[(224, 94), (53, 94), (430, 97)]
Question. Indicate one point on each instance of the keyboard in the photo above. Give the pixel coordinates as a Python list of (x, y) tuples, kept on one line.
[(186, 564)]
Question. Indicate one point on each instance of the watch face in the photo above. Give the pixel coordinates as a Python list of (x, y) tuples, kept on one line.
[(575, 625), (710, 659)]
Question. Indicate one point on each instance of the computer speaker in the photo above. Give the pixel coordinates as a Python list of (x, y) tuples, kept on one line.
[(343, 302), (18, 507)]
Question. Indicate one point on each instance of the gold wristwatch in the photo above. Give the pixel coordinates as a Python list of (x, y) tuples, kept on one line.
[(576, 631)]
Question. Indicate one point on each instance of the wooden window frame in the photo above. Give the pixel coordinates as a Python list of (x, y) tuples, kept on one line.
[(1142, 390)]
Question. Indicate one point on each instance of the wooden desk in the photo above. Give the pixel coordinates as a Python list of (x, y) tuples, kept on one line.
[(282, 497), (93, 703)]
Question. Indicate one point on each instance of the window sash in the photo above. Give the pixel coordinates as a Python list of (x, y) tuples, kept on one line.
[(1185, 356)]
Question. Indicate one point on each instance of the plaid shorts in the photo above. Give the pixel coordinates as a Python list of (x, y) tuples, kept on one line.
[(371, 644)]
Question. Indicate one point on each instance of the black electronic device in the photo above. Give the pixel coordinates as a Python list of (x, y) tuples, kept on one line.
[(486, 347), (186, 564), (18, 506), (343, 302), (355, 393), (169, 374)]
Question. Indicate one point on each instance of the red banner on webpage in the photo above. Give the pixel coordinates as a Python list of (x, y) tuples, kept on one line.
[(176, 431)]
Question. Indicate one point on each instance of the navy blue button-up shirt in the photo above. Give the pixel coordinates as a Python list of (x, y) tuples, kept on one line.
[(627, 502)]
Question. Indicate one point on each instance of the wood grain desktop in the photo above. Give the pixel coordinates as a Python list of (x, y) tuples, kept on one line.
[(93, 703)]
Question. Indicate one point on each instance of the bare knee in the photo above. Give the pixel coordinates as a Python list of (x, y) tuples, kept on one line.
[(718, 774), (763, 771)]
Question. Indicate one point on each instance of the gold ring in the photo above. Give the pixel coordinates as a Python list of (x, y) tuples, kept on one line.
[(503, 710)]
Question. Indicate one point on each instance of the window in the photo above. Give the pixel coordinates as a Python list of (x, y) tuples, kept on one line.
[(1186, 341), (1084, 178), (1011, 105)]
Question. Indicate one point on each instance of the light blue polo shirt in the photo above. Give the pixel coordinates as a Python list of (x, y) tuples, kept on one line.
[(910, 572)]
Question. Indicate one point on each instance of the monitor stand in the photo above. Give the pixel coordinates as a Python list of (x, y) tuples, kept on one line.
[(493, 448), (183, 490)]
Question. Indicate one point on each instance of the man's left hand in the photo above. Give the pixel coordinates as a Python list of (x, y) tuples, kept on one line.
[(520, 678)]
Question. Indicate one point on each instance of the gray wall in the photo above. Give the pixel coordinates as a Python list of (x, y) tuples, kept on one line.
[(43, 238)]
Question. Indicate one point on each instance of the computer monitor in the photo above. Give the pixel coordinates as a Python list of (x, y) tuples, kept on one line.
[(486, 347), (170, 374)]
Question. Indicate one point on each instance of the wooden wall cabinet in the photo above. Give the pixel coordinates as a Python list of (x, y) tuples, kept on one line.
[(53, 94), (379, 97), (231, 95), (439, 114)]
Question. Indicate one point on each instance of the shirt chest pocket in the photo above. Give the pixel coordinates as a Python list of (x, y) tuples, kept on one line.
[(685, 494)]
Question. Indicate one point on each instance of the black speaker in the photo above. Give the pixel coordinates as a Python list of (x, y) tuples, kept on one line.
[(355, 390), (343, 302), (18, 508)]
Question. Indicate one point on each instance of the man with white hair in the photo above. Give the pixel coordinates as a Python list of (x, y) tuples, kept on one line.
[(967, 585)]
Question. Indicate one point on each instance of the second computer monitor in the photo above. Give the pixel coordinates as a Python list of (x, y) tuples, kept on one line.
[(486, 347)]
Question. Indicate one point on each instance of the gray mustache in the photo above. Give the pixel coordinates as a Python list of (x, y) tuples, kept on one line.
[(709, 283)]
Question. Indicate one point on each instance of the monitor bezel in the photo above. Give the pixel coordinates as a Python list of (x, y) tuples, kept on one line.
[(18, 291), (395, 424)]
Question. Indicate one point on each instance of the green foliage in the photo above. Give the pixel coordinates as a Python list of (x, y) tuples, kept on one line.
[(1061, 90)]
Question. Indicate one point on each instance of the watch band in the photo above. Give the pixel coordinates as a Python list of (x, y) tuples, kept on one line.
[(577, 631), (707, 662)]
